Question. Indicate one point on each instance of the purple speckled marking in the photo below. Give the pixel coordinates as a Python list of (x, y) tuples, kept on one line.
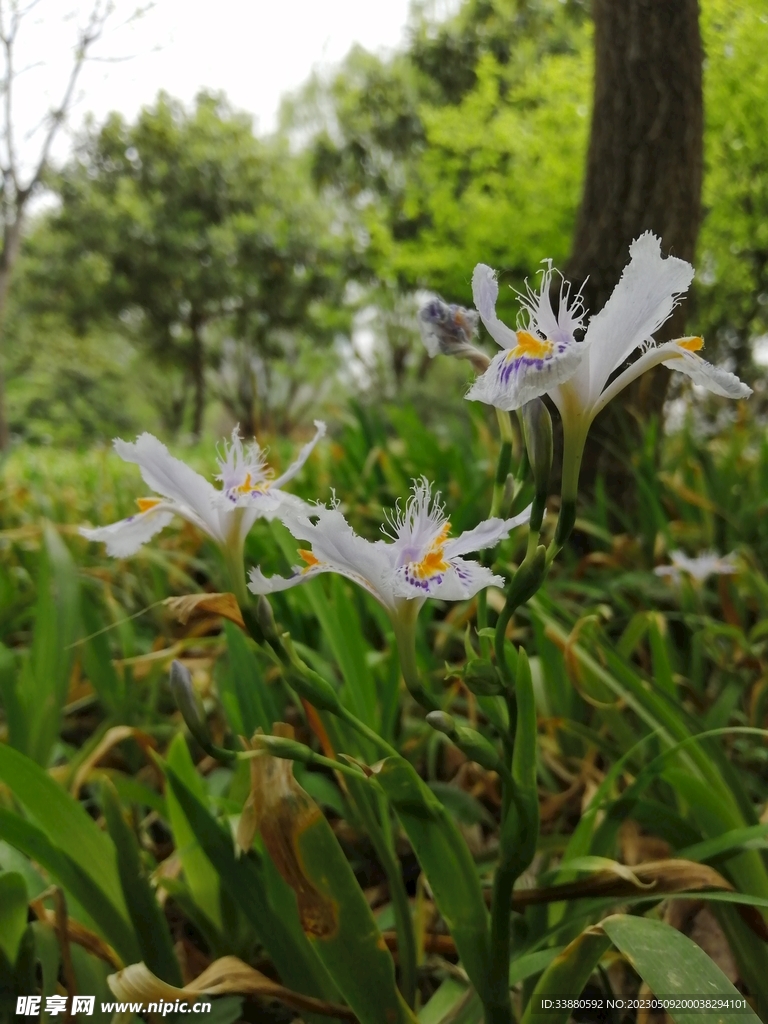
[(422, 583)]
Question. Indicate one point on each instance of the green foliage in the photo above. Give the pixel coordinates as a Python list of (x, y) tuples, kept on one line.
[(617, 704), (732, 290), (201, 243), (467, 147), (677, 661)]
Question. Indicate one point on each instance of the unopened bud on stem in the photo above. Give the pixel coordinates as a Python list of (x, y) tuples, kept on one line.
[(537, 430), (449, 330), (442, 722), (469, 741), (191, 707), (266, 619), (481, 677), (308, 683)]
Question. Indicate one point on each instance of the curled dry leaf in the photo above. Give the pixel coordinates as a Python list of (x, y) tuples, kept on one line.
[(78, 934), (109, 740), (226, 976), (281, 810), (194, 605), (662, 878)]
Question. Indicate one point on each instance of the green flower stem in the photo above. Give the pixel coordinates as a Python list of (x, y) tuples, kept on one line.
[(405, 635), (364, 730), (309, 757), (235, 570), (500, 1012), (382, 838), (506, 431), (565, 523), (500, 480)]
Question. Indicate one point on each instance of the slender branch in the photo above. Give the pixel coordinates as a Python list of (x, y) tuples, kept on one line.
[(90, 34)]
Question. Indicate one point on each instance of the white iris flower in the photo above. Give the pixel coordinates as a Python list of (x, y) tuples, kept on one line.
[(419, 560), (248, 492), (700, 568), (544, 357)]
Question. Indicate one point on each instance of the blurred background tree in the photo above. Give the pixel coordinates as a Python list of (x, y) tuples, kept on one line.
[(22, 173), (204, 242)]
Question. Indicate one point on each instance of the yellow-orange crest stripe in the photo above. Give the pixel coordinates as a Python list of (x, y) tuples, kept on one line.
[(145, 504), (311, 559), (530, 346), (691, 344), (434, 561)]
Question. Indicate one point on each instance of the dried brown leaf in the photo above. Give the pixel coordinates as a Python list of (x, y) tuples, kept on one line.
[(110, 739), (78, 934), (194, 605), (282, 810), (228, 975)]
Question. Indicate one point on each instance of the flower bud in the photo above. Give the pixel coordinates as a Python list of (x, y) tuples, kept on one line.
[(528, 578), (481, 677), (284, 747), (442, 722), (308, 683), (449, 330), (469, 741), (266, 619), (477, 748), (537, 430), (189, 704)]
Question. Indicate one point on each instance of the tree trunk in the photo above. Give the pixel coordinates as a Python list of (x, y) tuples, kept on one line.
[(644, 169)]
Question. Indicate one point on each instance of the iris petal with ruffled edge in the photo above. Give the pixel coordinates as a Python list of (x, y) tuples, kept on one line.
[(187, 494), (546, 358), (418, 561), (533, 361), (574, 373)]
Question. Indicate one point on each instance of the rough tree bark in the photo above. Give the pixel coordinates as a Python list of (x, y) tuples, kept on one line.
[(644, 169)]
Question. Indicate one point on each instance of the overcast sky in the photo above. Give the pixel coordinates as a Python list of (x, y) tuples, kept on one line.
[(253, 50)]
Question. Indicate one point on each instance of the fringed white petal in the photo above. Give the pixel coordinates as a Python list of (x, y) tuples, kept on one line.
[(525, 372), (714, 378), (486, 535), (644, 298), (541, 316), (303, 455), (485, 292), (460, 581), (126, 536), (258, 583), (173, 479), (336, 545)]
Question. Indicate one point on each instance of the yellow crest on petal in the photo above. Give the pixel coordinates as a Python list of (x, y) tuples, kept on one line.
[(311, 559), (530, 346), (433, 562), (145, 504), (691, 344)]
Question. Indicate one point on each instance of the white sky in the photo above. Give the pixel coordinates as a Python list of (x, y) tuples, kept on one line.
[(253, 50)]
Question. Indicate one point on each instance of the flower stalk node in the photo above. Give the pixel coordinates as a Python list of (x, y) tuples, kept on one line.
[(481, 677)]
